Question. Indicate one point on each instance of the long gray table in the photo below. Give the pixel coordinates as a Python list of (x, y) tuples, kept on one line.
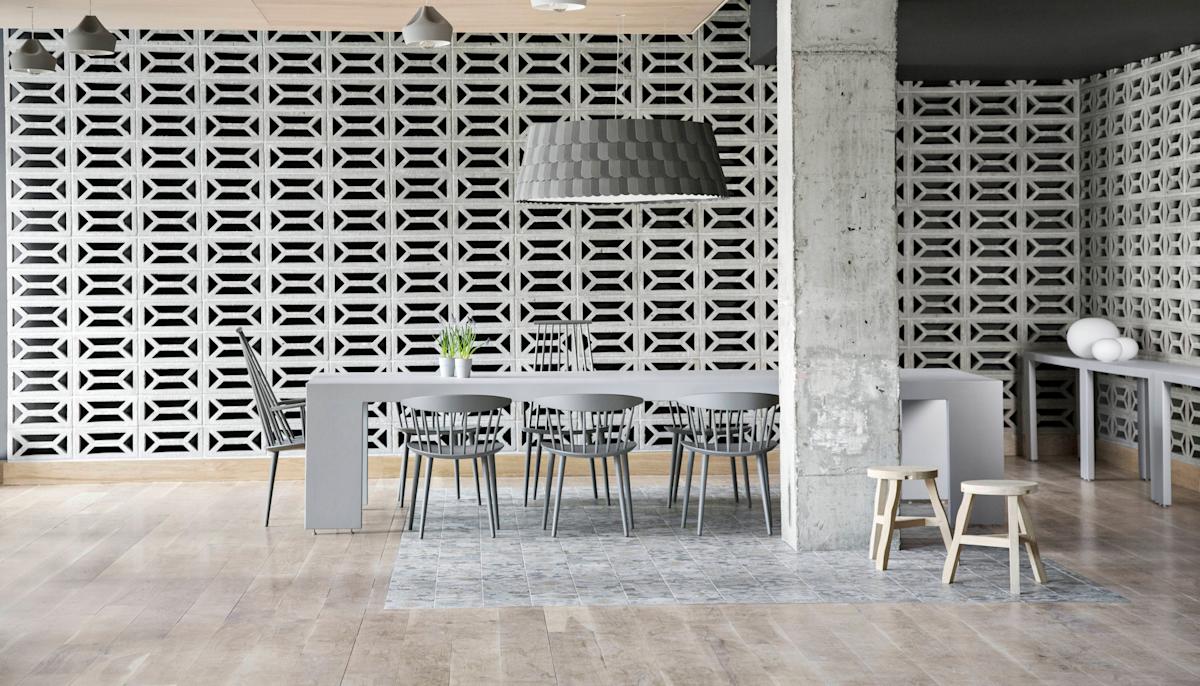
[(968, 420), (1154, 381)]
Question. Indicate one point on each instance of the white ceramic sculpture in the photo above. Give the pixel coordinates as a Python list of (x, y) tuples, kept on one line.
[(1129, 348), (1106, 350), (1083, 334)]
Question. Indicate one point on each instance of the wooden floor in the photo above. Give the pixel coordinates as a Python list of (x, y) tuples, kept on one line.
[(180, 583)]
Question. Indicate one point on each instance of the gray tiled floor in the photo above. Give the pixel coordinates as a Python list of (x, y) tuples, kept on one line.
[(591, 563)]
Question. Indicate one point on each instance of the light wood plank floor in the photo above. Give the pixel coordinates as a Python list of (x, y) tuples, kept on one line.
[(180, 583)]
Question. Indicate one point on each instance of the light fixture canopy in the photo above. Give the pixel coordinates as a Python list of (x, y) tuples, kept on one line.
[(32, 58), (91, 38), (559, 5), (604, 161), (428, 29)]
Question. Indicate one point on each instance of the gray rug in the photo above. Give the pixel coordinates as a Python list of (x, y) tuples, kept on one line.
[(591, 563)]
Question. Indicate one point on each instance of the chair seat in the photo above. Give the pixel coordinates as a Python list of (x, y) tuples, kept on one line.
[(1006, 487), (458, 452), (734, 449), (590, 449), (294, 445), (902, 472)]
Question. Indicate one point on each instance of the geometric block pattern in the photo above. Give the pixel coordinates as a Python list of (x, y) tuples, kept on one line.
[(1140, 230), (987, 180), (338, 195)]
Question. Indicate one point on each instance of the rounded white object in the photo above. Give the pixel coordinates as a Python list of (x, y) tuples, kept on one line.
[(559, 5), (1083, 334), (1129, 348), (1107, 350)]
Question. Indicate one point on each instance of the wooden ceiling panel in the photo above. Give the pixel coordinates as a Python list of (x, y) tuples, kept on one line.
[(467, 16)]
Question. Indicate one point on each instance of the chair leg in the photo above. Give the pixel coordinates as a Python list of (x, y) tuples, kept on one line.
[(494, 488), (403, 475), (627, 486), (1031, 544), (487, 476), (939, 512), (457, 483), (733, 471), (677, 458), (595, 484), (876, 525), (537, 470), (764, 479), (746, 475), (425, 504), (475, 471), (621, 495), (672, 467), (687, 489), (562, 476), (528, 459), (960, 528), (890, 508), (549, 479), (703, 488), (271, 487), (607, 492), (412, 503)]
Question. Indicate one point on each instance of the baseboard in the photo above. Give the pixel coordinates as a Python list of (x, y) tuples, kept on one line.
[(290, 468), (1125, 458), (1050, 443)]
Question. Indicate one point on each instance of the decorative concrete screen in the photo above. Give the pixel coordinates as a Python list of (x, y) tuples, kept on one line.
[(338, 195), (987, 183), (1140, 243)]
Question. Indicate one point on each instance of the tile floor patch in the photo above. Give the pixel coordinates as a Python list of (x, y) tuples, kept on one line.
[(591, 563)]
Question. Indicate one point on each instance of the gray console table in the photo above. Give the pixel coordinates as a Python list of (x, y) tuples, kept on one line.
[(1154, 380)]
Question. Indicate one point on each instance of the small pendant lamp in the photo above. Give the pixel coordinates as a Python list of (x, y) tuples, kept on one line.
[(91, 38), (428, 29), (31, 57)]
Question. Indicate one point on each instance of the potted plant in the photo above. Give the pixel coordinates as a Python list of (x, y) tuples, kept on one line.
[(465, 346), (446, 343)]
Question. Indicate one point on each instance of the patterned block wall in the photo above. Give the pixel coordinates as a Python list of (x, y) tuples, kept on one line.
[(987, 202), (1140, 231), (338, 195)]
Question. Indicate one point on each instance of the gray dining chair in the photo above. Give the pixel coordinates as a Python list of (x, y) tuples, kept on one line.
[(590, 426), (678, 428), (728, 425), (455, 427), (562, 345), (278, 434)]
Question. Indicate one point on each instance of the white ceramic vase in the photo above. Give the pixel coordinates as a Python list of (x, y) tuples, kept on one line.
[(462, 368), (446, 366), (1129, 348), (1106, 350), (1083, 334)]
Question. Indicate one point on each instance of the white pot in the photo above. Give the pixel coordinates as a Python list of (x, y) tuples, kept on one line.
[(462, 368), (446, 366)]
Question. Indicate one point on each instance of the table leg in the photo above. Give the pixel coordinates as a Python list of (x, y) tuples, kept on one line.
[(334, 468), (1087, 424), (1160, 442), (1029, 390), (1143, 420)]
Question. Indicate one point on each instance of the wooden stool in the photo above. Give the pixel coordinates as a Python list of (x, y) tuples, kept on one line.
[(887, 505), (1020, 530)]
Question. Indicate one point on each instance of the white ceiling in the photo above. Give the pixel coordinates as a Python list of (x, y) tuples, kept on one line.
[(467, 16)]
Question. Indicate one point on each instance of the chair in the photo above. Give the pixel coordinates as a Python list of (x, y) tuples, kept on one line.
[(455, 427), (728, 425), (677, 428), (559, 346), (1020, 530), (278, 434), (590, 426), (887, 519)]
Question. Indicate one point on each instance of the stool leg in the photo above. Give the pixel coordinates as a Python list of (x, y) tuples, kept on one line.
[(880, 499), (939, 512), (964, 517), (1014, 546), (1031, 544), (889, 524)]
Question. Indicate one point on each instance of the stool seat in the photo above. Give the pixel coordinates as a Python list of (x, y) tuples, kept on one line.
[(903, 472), (1004, 487)]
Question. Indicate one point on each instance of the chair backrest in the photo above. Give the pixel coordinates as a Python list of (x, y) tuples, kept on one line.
[(563, 345), (586, 423), (457, 424), (729, 423), (274, 423)]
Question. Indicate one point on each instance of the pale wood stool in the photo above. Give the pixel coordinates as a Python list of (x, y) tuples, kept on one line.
[(887, 505), (1020, 530)]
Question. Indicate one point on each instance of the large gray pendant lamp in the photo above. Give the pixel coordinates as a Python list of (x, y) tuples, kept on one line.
[(428, 29), (90, 37), (31, 56), (606, 161)]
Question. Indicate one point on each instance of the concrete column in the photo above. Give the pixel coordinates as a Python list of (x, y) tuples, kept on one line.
[(839, 372)]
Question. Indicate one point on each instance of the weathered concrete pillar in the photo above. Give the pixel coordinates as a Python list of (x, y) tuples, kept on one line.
[(839, 373)]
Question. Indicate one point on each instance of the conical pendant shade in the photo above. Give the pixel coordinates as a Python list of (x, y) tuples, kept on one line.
[(91, 38), (32, 58), (428, 29), (603, 161)]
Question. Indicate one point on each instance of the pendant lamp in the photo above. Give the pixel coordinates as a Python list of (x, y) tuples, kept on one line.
[(428, 29), (31, 57), (91, 38)]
